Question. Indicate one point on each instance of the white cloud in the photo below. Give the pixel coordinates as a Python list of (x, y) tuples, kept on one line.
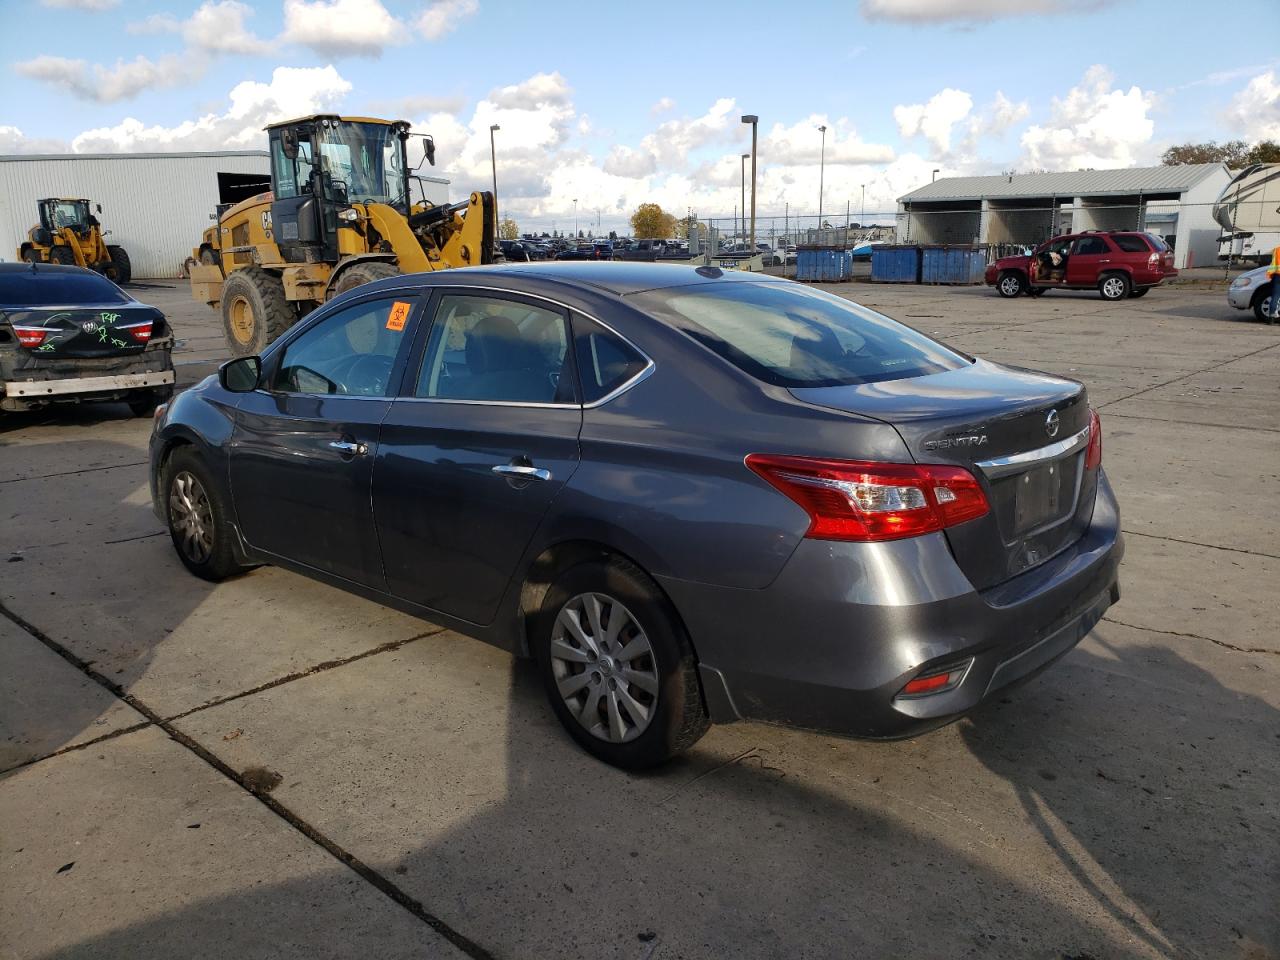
[(292, 92), (109, 84), (970, 11), (1095, 126), (219, 27), (341, 28), (1255, 110), (442, 17), (1002, 114), (12, 140), (154, 24), (934, 120), (662, 106), (542, 89), (94, 5), (802, 144)]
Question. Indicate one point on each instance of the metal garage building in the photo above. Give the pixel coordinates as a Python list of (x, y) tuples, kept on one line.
[(1023, 209), (155, 204)]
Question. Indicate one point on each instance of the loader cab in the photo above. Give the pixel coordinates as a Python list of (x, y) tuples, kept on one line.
[(319, 167), (57, 214)]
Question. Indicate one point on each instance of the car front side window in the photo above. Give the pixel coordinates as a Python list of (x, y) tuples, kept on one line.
[(350, 353)]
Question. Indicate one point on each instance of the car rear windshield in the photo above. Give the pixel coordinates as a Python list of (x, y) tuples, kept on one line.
[(34, 288), (793, 336), (1157, 242), (1132, 243)]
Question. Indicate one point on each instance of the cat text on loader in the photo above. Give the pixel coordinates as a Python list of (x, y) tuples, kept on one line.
[(69, 234), (339, 214)]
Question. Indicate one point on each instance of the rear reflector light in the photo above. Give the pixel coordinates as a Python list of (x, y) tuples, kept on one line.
[(868, 501), (141, 331), (1093, 455), (932, 683), (30, 336)]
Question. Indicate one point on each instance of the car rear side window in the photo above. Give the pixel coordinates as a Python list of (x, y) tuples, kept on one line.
[(793, 336), (1091, 245), (1131, 243), (495, 349), (37, 288), (1157, 242), (350, 352), (605, 361)]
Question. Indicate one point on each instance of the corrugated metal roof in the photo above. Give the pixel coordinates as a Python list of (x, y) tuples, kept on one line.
[(1080, 183), (19, 157)]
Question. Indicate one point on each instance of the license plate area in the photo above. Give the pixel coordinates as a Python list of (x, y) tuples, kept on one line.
[(1036, 498)]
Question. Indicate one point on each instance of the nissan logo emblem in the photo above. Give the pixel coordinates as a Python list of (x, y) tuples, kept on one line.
[(1051, 423)]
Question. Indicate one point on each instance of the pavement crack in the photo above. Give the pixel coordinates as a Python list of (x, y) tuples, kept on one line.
[(310, 671), (706, 773), (1189, 423), (367, 873), (72, 473), (132, 728), (1197, 543), (1193, 636), (141, 536), (1185, 376)]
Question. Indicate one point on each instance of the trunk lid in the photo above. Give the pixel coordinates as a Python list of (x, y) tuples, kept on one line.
[(1023, 434), (84, 332)]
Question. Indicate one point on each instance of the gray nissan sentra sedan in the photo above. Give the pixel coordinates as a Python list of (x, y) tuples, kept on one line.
[(691, 496)]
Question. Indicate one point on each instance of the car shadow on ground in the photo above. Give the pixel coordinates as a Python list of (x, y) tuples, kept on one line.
[(762, 856)]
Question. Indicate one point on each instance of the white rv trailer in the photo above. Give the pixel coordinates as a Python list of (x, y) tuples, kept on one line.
[(1249, 212)]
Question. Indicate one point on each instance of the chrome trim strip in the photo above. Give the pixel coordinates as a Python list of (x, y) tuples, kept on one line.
[(999, 466)]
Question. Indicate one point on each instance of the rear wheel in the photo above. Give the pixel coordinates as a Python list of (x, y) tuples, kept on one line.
[(617, 666), (197, 517), (359, 274), (1010, 284), (254, 311), (1114, 286), (62, 255), (31, 255), (121, 270)]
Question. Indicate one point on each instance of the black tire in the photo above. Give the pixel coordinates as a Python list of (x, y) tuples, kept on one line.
[(359, 274), (121, 270), (1261, 303), (254, 311), (676, 717), (1037, 291), (214, 558), (1114, 287), (31, 255), (1010, 284), (62, 255), (1137, 292), (143, 403), (209, 257)]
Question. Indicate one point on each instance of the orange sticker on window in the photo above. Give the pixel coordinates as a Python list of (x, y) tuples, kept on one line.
[(399, 314)]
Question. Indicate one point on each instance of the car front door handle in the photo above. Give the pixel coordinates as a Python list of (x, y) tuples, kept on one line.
[(517, 471), (348, 448)]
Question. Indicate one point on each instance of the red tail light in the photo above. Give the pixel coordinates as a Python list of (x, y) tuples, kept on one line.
[(932, 683), (30, 336), (864, 501), (1093, 455), (141, 331)]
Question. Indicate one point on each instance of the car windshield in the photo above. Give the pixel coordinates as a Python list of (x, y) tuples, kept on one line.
[(793, 336), (366, 157), (66, 213), (39, 288)]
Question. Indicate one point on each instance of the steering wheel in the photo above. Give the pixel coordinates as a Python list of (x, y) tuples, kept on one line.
[(368, 371)]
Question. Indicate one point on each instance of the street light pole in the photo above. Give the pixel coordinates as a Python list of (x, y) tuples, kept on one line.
[(935, 176), (752, 119), (575, 219), (822, 164), (862, 217), (743, 165), (493, 160)]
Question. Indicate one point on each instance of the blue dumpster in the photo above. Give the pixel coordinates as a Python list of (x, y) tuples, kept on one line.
[(895, 264), (823, 265), (954, 265)]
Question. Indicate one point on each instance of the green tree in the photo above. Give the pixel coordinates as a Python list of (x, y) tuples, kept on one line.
[(508, 229), (1268, 151), (650, 221)]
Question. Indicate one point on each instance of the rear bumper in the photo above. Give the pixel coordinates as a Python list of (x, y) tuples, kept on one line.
[(832, 641), (28, 380), (52, 389)]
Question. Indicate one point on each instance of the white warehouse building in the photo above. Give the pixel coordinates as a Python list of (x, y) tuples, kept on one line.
[(156, 205), (1175, 203)]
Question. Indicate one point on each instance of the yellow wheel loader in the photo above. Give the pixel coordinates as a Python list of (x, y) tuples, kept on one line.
[(69, 234), (339, 214)]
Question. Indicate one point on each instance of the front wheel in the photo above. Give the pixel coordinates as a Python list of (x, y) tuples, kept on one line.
[(254, 310), (617, 666), (197, 518), (1262, 306), (121, 269), (1010, 285), (1114, 286)]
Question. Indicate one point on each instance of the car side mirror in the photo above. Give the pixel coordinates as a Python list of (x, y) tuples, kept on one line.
[(99, 206), (429, 150), (240, 375)]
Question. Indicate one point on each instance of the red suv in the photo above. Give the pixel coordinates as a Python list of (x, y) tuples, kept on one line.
[(1117, 265)]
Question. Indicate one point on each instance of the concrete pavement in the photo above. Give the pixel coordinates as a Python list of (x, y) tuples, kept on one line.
[(367, 784)]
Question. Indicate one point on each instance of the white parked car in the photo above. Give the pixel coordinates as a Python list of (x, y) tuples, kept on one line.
[(1252, 291)]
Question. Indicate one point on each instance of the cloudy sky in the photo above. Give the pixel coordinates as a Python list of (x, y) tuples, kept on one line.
[(618, 103)]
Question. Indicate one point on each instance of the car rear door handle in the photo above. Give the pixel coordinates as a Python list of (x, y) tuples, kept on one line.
[(521, 472), (349, 448)]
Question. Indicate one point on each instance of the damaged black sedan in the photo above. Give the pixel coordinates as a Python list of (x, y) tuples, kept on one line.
[(69, 335)]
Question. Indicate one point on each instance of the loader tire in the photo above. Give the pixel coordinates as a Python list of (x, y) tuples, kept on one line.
[(254, 311), (361, 273), (121, 270), (31, 255), (62, 255)]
